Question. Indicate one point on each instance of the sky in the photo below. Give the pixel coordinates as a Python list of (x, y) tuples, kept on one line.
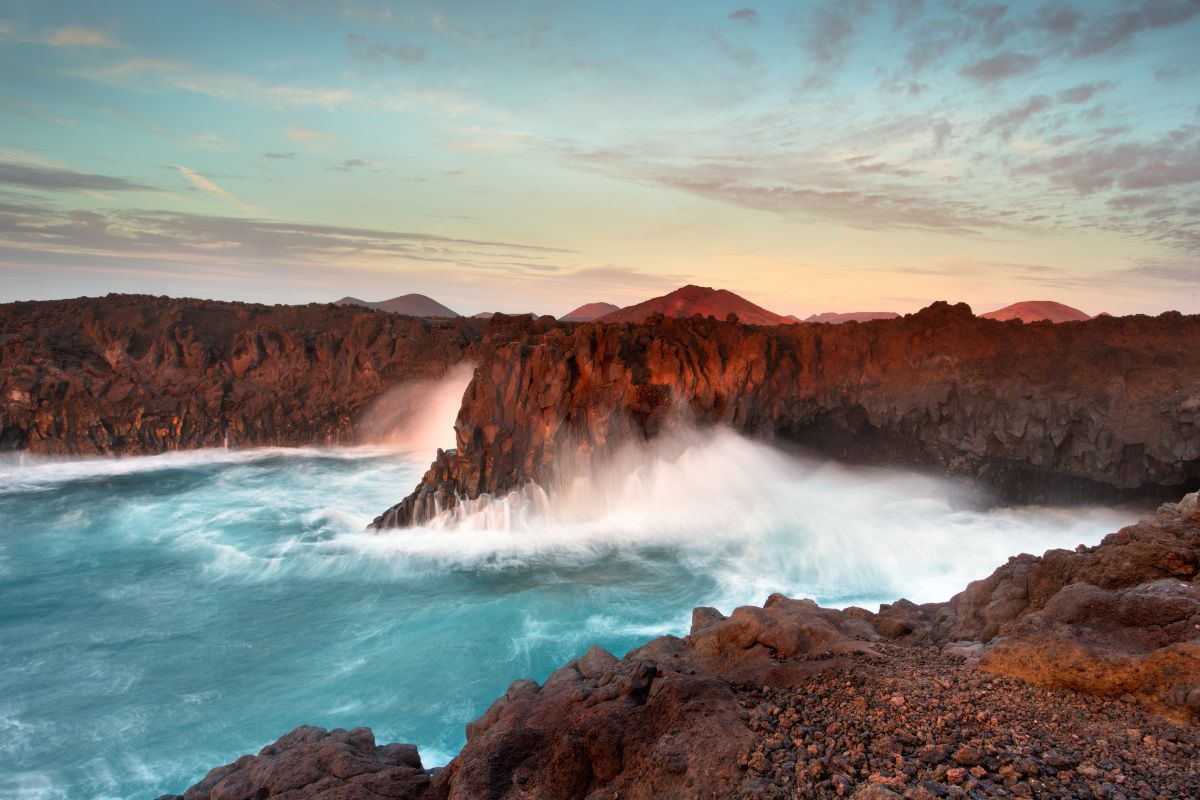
[(533, 156)]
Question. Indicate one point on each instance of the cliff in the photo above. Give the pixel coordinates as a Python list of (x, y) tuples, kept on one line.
[(792, 700), (1107, 407), (129, 374)]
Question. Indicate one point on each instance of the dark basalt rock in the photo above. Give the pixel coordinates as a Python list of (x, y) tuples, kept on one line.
[(133, 375), (315, 764), (1105, 408)]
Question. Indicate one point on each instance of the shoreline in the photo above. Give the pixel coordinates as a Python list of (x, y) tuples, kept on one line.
[(1062, 646)]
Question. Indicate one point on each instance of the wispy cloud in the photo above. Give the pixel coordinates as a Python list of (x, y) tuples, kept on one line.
[(350, 164), (150, 74), (79, 37), (375, 50), (206, 185), (313, 140), (55, 179), (999, 67)]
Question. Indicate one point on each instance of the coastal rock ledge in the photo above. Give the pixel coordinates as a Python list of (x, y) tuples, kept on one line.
[(1073, 674)]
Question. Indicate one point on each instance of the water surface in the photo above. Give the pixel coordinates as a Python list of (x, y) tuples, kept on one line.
[(162, 615)]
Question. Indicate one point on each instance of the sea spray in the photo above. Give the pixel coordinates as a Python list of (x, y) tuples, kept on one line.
[(160, 615), (417, 416)]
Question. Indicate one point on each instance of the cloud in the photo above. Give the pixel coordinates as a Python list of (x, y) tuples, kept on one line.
[(1006, 123), (218, 85), (239, 242), (748, 15), (942, 131), (999, 67), (349, 164), (1173, 160), (1171, 271), (279, 156), (369, 50), (1117, 29), (313, 140), (205, 185), (1084, 92), (827, 31), (1059, 20), (55, 179), (871, 210), (79, 37)]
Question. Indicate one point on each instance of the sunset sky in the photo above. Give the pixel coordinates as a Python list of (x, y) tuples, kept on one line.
[(812, 156)]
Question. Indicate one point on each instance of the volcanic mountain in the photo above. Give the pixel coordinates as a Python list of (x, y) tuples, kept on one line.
[(702, 300), (1038, 310), (412, 305), (589, 312), (834, 318)]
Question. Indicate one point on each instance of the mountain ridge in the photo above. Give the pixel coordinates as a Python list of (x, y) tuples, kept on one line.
[(691, 299)]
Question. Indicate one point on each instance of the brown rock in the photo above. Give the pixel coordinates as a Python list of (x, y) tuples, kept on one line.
[(939, 388)]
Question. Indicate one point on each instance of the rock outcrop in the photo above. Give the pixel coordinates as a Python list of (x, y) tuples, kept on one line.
[(793, 700), (130, 375), (311, 763), (1121, 619), (1106, 408)]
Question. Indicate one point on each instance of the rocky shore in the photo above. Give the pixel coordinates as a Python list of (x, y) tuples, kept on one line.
[(1072, 675), (1106, 408)]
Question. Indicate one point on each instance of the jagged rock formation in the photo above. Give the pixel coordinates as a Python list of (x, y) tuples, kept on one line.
[(129, 374), (411, 305), (1103, 408), (1038, 311), (312, 762), (690, 300), (792, 700)]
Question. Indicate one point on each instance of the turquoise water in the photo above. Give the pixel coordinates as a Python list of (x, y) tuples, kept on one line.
[(160, 616)]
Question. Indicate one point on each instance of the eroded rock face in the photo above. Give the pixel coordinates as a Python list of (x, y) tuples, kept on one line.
[(129, 375), (1077, 410)]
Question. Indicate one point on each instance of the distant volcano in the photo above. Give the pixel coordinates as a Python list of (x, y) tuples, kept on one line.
[(834, 318), (1038, 310), (589, 312), (412, 305), (689, 300)]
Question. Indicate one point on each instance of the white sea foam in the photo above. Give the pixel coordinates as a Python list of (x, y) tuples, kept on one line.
[(417, 417)]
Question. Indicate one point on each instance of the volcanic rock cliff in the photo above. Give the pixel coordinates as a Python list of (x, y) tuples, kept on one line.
[(129, 374), (1100, 408)]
